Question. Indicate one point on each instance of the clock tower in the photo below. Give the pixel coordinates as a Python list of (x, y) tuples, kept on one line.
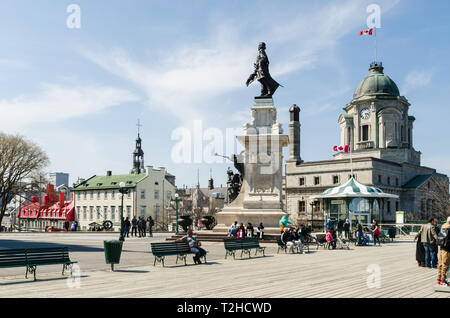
[(376, 122)]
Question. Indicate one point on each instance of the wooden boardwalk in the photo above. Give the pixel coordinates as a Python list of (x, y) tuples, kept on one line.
[(325, 273)]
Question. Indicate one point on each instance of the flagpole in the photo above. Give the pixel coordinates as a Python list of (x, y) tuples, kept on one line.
[(375, 44)]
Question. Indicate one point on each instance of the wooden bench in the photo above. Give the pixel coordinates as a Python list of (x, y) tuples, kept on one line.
[(180, 249), (245, 245), (30, 258)]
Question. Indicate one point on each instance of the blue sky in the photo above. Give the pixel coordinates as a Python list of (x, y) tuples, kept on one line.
[(79, 92)]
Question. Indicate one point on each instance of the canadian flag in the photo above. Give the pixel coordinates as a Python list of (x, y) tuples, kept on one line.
[(346, 148), (366, 32)]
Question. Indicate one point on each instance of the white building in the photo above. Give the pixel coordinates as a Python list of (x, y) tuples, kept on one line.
[(98, 198)]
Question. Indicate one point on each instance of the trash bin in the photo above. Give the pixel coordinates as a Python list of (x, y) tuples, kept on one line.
[(113, 249)]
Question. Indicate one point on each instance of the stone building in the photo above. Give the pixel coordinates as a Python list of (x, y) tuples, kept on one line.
[(378, 127)]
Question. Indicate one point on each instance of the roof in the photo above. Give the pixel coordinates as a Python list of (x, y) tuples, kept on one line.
[(417, 181), (376, 83), (354, 189), (110, 182)]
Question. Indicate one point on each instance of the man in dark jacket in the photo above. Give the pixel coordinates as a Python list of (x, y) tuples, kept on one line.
[(134, 224), (428, 238), (359, 233), (126, 227)]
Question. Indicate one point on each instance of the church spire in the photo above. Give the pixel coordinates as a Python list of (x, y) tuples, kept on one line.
[(138, 153)]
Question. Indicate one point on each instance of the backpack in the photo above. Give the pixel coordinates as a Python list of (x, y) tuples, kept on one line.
[(443, 239), (152, 222)]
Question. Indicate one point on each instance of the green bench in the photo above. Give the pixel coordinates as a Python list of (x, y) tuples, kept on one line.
[(244, 245), (30, 258), (180, 249)]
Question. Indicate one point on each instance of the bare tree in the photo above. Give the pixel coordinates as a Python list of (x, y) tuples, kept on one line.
[(440, 198), (20, 160)]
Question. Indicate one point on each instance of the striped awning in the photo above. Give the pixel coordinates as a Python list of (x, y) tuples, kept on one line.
[(354, 189)]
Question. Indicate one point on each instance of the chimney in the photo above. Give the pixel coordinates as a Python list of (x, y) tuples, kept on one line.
[(109, 173), (61, 199), (294, 134)]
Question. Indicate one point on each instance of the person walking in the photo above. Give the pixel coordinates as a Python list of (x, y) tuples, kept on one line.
[(340, 228), (134, 226), (420, 253), (126, 227), (376, 233), (347, 229), (428, 238), (359, 233), (444, 254), (144, 227), (150, 223)]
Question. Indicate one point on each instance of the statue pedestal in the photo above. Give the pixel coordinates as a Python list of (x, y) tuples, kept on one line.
[(260, 198)]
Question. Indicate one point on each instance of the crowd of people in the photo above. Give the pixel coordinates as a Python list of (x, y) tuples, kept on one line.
[(240, 231), (138, 226), (433, 248)]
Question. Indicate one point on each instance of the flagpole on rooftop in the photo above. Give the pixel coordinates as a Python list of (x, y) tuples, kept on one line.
[(375, 29)]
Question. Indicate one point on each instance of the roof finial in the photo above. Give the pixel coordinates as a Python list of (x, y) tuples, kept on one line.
[(139, 127)]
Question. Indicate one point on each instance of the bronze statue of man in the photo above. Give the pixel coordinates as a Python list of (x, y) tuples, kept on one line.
[(261, 73)]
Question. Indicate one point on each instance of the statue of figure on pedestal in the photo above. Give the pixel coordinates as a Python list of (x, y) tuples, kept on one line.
[(261, 73), (234, 185)]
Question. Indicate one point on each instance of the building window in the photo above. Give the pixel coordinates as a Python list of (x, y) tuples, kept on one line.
[(156, 196), (335, 179), (129, 194), (91, 213), (98, 212), (350, 176), (105, 212), (389, 180), (105, 195), (113, 213), (143, 208), (78, 195), (316, 180), (113, 193), (169, 195), (128, 211), (142, 193), (301, 181), (379, 178), (84, 213), (301, 206), (396, 206), (316, 206), (396, 181), (78, 212), (389, 206), (365, 133), (92, 195), (157, 211), (98, 195), (84, 195)]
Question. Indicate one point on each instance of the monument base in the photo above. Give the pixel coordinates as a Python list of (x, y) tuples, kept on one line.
[(269, 218)]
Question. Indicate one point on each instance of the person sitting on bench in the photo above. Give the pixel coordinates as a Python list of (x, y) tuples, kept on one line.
[(194, 245)]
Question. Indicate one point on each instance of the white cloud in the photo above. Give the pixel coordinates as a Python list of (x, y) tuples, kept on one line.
[(185, 80), (416, 79), (56, 103)]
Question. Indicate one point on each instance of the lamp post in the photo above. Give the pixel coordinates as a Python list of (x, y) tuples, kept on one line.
[(123, 191), (177, 199)]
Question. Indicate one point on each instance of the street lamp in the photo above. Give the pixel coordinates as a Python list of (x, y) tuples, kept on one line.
[(123, 191), (177, 199)]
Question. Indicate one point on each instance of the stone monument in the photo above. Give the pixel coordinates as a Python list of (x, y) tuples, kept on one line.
[(260, 164), (260, 197)]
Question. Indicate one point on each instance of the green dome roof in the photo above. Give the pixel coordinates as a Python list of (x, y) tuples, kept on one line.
[(376, 83)]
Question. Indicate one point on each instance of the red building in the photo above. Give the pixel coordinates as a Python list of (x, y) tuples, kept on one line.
[(53, 211)]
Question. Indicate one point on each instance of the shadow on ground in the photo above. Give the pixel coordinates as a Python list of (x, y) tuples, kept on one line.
[(26, 244)]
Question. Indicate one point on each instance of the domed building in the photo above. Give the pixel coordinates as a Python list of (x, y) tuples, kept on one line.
[(378, 127)]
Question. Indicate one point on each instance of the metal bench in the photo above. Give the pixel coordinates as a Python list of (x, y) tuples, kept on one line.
[(30, 258), (180, 249), (245, 245)]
